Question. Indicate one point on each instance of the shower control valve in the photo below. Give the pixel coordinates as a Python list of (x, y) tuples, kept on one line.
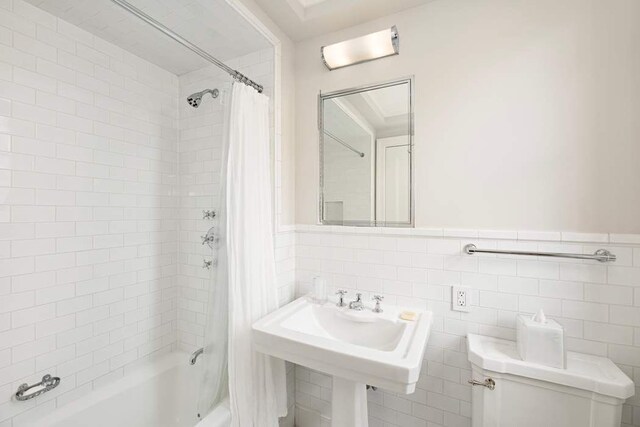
[(208, 214), (210, 238), (207, 264), (207, 239)]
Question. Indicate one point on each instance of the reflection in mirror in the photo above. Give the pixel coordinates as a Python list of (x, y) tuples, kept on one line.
[(365, 152)]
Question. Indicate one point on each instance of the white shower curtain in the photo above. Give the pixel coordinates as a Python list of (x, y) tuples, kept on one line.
[(257, 383)]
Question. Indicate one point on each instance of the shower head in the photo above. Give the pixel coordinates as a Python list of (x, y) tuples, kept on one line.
[(195, 99)]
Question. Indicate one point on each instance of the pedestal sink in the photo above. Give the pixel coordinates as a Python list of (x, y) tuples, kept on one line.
[(355, 347)]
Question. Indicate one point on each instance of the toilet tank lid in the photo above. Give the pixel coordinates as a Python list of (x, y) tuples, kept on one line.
[(584, 371)]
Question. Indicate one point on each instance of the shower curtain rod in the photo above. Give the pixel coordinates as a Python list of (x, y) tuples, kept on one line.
[(238, 76)]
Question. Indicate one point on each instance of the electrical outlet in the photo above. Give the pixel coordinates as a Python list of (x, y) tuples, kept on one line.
[(460, 298)]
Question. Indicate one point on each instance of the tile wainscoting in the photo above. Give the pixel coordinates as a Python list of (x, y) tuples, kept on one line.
[(597, 303)]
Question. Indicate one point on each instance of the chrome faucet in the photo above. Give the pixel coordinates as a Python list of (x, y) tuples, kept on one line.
[(357, 304)]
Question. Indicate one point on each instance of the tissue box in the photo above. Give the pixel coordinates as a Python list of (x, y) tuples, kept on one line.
[(541, 343)]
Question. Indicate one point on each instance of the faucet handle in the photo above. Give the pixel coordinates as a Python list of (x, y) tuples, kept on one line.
[(378, 299), (342, 293), (358, 296)]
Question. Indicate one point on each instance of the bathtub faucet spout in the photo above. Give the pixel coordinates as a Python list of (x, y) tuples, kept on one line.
[(195, 354)]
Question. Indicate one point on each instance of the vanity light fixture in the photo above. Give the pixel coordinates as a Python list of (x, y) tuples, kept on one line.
[(361, 49)]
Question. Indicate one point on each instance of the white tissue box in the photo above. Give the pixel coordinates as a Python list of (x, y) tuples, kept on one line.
[(541, 343)]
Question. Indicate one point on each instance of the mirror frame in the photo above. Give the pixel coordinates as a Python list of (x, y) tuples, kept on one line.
[(344, 92)]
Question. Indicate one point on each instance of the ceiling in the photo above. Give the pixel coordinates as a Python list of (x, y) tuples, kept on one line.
[(302, 19), (213, 25)]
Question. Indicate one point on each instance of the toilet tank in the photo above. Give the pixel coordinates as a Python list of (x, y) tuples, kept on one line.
[(589, 392)]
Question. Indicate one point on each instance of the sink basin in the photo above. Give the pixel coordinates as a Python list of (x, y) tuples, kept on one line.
[(356, 348), (357, 328)]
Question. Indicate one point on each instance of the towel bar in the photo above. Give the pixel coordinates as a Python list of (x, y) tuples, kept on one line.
[(601, 255)]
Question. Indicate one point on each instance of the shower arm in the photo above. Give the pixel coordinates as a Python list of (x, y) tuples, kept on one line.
[(237, 75)]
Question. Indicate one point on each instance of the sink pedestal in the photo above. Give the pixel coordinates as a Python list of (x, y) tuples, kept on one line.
[(349, 404)]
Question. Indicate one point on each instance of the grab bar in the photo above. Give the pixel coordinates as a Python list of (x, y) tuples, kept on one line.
[(48, 383), (195, 354), (601, 255)]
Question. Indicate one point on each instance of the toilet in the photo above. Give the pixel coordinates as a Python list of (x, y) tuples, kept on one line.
[(509, 392)]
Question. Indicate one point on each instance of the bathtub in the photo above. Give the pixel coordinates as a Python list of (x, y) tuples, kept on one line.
[(160, 394)]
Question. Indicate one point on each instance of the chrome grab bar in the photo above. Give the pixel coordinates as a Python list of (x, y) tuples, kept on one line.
[(601, 255), (48, 383), (195, 354)]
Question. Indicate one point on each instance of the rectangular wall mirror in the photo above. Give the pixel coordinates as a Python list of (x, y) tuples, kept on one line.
[(366, 141)]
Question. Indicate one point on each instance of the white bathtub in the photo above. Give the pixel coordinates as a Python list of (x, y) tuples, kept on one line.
[(160, 394)]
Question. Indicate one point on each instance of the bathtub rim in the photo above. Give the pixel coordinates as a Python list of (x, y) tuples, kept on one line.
[(138, 375)]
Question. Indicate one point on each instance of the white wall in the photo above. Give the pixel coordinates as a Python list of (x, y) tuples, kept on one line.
[(598, 305), (284, 114), (88, 220), (525, 119), (525, 113)]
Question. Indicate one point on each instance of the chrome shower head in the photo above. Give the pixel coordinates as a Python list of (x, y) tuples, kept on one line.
[(195, 99)]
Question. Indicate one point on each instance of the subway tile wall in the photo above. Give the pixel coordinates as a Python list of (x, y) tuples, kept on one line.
[(598, 304), (88, 220), (95, 275)]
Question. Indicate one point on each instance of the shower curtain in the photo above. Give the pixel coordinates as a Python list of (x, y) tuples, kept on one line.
[(257, 383)]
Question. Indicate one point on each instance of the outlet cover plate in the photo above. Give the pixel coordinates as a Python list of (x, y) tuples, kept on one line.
[(460, 298)]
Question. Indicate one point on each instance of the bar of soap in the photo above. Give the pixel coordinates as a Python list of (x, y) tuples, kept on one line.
[(408, 315)]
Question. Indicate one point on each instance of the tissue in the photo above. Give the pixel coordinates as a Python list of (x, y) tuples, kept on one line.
[(541, 340)]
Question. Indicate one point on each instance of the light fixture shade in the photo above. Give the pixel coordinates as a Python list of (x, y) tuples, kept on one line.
[(366, 48)]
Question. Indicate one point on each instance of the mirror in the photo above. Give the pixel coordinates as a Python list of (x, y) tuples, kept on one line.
[(366, 139)]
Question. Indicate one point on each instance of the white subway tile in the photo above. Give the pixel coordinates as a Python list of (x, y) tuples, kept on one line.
[(444, 247), (625, 316), (16, 336), (539, 235), (518, 285), (561, 289), (55, 293), (503, 267), (54, 326), (585, 311), (624, 275), (54, 262), (538, 269), (607, 333), (531, 304), (31, 349), (498, 300), (22, 248), (35, 80), (29, 316), (608, 294)]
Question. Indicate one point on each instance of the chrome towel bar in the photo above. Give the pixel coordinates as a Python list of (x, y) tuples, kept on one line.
[(601, 255)]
